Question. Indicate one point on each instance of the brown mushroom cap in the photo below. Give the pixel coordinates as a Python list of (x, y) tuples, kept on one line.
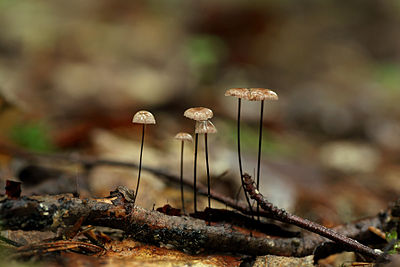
[(259, 94), (198, 114), (203, 127), (238, 92), (143, 117), (184, 137)]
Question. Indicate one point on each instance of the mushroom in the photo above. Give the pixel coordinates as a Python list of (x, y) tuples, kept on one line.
[(142, 117), (183, 137), (206, 127), (240, 93), (260, 94), (197, 114)]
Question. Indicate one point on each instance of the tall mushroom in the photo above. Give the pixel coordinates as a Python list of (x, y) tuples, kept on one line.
[(206, 127), (261, 94), (142, 117), (240, 93), (197, 114), (183, 137)]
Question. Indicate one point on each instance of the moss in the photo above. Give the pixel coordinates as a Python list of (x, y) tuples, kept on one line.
[(392, 237)]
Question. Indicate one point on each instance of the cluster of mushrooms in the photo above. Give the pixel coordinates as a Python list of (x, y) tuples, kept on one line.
[(204, 126)]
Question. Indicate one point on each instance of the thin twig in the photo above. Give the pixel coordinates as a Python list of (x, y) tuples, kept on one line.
[(283, 216), (9, 241)]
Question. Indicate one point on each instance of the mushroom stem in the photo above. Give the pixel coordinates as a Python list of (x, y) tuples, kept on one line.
[(259, 154), (196, 140), (182, 198), (76, 185), (140, 162), (208, 171), (240, 157), (238, 136)]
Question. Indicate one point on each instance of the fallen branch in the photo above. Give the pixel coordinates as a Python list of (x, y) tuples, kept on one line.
[(283, 216), (183, 233)]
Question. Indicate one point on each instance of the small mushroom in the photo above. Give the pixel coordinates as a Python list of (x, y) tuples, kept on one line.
[(240, 93), (197, 114), (142, 117), (183, 137), (206, 127), (260, 94)]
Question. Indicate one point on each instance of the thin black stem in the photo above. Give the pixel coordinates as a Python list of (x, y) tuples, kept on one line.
[(76, 184), (140, 162), (196, 140), (259, 154), (238, 137), (182, 197), (208, 171), (240, 156)]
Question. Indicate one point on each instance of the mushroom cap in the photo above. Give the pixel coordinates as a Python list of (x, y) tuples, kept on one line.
[(183, 137), (238, 92), (203, 127), (198, 114), (259, 94), (143, 117)]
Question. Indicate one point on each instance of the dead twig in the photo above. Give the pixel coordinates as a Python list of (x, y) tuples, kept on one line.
[(283, 216), (9, 241)]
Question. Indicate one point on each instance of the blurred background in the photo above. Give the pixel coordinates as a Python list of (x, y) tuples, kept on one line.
[(72, 74)]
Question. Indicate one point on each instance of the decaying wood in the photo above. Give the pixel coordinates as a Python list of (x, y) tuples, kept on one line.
[(184, 233)]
